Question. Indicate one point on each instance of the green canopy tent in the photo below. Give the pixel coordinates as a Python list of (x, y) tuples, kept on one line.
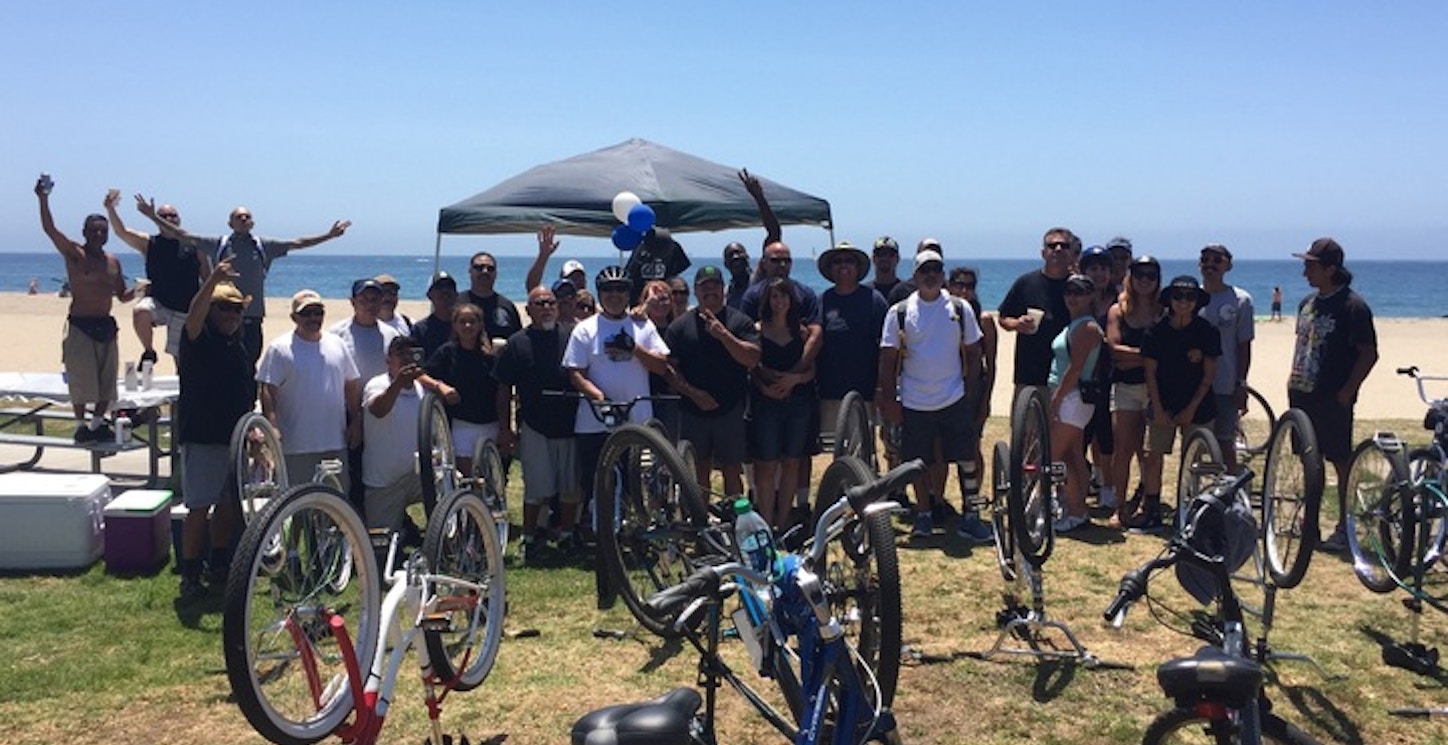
[(575, 196)]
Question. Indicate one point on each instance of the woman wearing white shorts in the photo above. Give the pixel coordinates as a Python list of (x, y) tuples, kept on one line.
[(1074, 354)]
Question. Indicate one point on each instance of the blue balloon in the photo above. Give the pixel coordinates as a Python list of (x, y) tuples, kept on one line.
[(626, 238), (641, 218)]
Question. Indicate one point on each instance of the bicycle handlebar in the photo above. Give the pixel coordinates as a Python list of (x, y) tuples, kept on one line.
[(1412, 372), (609, 412), (862, 495), (703, 583)]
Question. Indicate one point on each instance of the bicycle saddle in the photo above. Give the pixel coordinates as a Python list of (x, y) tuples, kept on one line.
[(1210, 675), (661, 721)]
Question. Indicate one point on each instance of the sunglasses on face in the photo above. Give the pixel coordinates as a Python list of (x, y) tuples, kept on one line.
[(1184, 296), (613, 288), (311, 312), (780, 260), (227, 307), (484, 268), (1147, 274), (544, 303), (1058, 245), (931, 269), (963, 284)]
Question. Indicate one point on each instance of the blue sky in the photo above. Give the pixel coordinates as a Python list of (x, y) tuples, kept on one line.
[(1257, 124)]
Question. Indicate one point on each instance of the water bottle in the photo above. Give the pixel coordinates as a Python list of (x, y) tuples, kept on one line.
[(123, 430), (753, 537), (131, 376), (146, 369)]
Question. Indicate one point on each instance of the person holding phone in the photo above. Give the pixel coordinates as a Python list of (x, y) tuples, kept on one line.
[(391, 404)]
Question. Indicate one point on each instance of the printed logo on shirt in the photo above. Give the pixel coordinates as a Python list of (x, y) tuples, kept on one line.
[(619, 347)]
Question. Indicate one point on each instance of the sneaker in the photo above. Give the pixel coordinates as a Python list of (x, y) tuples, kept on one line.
[(1107, 498), (973, 529), (1335, 543), (1068, 523), (191, 588), (147, 356), (84, 434), (921, 526), (103, 433), (942, 513), (1148, 523)]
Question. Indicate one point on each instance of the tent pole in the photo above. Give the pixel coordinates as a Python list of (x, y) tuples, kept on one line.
[(437, 256)]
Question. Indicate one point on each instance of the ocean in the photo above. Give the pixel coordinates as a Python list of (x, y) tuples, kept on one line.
[(1394, 289)]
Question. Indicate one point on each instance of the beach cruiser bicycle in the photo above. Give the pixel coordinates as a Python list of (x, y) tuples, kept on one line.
[(312, 645), (1398, 507), (438, 465), (792, 630), (1217, 691)]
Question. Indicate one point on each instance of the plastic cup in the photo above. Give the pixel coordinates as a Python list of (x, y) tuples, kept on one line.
[(1035, 314)]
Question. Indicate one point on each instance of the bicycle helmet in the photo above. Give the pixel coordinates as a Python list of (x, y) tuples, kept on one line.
[(611, 275)]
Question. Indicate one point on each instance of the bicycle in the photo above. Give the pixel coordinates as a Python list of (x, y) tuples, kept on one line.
[(304, 614), (831, 692), (854, 432), (1217, 692), (438, 465), (1254, 426)]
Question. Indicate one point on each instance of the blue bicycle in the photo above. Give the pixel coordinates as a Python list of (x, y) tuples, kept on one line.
[(793, 631)]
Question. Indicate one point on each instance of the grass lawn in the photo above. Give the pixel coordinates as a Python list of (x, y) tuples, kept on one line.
[(91, 657)]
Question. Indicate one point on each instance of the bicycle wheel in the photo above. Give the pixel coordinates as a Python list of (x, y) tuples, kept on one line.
[(464, 628), (650, 514), (1031, 492), (258, 466), (1184, 726), (854, 434), (1425, 467), (1201, 463), (1000, 513), (861, 572), (1254, 427), (437, 463), (287, 669), (1292, 484), (1379, 520), (489, 472)]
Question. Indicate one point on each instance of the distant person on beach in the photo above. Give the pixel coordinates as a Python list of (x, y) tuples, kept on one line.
[(736, 262), (175, 272), (886, 258), (218, 387), (1230, 310), (251, 257), (1337, 346), (432, 332), (34, 287), (1277, 303), (572, 270), (387, 310), (500, 315), (1034, 308), (311, 392), (89, 351)]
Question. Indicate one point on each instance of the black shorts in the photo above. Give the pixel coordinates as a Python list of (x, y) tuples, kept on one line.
[(1331, 422), (950, 426)]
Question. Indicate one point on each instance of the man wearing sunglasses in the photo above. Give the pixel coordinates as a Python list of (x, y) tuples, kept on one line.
[(174, 273), (500, 315), (1229, 309), (251, 257), (1035, 309), (435, 330), (217, 390)]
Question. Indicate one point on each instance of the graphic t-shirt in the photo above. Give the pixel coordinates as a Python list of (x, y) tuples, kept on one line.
[(1329, 330), (603, 348)]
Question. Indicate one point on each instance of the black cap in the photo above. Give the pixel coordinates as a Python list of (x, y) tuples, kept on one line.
[(362, 285), (886, 243), (442, 278), (1324, 251), (708, 273)]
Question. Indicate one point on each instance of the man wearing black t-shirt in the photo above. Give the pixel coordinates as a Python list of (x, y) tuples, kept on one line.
[(854, 313), (1035, 309), (532, 365), (712, 348), (174, 271), (886, 258), (435, 330), (218, 387), (500, 315), (1337, 346)]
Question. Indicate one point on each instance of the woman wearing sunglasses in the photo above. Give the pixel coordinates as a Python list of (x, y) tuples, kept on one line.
[(1126, 324), (1074, 355)]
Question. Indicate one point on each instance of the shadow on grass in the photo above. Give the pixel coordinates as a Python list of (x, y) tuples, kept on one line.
[(1052, 677), (1312, 705), (189, 611)]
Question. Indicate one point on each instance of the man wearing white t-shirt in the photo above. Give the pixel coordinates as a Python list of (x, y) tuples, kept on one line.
[(924, 363), (609, 358), (392, 402), (311, 392), (366, 338)]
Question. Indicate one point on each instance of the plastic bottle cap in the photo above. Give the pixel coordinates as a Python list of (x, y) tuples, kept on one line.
[(743, 505)]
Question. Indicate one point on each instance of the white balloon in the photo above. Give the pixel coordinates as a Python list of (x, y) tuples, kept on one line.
[(623, 202)]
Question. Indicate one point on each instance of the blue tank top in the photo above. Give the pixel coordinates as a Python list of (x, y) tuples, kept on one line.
[(1061, 354)]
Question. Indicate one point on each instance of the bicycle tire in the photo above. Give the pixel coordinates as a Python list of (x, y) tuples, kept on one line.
[(281, 590), (1184, 726), (462, 542), (1201, 462), (1379, 521), (260, 473), (1254, 427), (436, 459), (488, 471), (1031, 498), (854, 434), (1425, 467), (650, 512), (1000, 512), (861, 573), (1292, 486)]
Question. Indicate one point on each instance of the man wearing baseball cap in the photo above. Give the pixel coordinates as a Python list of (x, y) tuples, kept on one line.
[(886, 258), (901, 291), (367, 340), (1337, 346), (434, 331), (1229, 309), (387, 310)]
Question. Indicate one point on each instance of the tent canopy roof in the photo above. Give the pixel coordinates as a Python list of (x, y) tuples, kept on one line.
[(575, 195)]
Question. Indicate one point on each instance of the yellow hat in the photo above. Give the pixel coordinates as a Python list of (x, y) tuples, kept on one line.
[(226, 292), (305, 299)]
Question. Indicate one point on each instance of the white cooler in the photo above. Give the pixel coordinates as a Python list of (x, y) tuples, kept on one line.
[(51, 520)]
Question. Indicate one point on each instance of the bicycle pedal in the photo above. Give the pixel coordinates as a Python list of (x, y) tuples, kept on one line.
[(438, 622)]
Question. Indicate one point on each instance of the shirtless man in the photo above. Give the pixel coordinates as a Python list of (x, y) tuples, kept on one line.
[(89, 350)]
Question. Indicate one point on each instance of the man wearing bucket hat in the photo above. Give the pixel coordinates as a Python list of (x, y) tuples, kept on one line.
[(853, 314), (1180, 355), (217, 389), (1337, 346)]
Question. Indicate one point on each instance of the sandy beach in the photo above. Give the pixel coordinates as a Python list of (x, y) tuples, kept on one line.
[(32, 344)]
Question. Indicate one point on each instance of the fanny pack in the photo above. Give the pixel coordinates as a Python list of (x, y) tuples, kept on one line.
[(102, 330)]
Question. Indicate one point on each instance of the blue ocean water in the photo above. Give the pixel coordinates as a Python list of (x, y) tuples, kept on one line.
[(1394, 289)]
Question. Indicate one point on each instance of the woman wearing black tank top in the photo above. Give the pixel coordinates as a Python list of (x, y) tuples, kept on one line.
[(1126, 325)]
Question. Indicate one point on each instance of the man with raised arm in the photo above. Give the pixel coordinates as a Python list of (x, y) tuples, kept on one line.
[(174, 272), (89, 351), (548, 245), (250, 255)]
